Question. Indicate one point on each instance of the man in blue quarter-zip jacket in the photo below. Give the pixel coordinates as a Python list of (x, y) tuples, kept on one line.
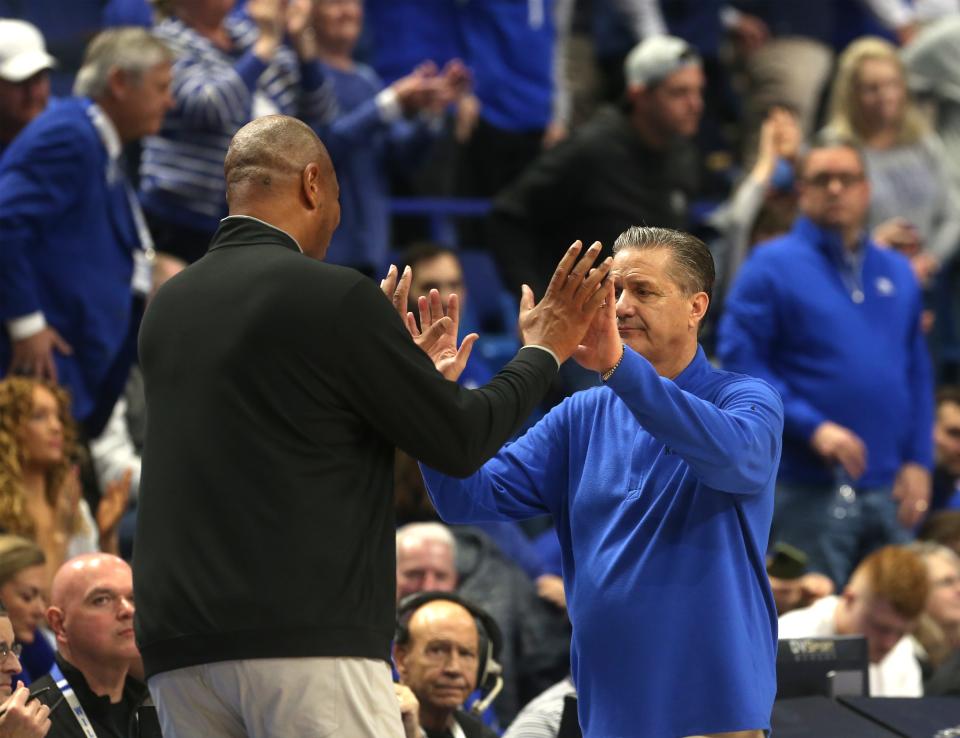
[(833, 322), (660, 483)]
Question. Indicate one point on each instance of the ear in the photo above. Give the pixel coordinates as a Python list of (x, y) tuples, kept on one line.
[(310, 186), (634, 92), (400, 660), (56, 618), (118, 83), (698, 308)]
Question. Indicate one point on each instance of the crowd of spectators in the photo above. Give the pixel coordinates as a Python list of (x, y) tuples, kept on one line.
[(815, 147)]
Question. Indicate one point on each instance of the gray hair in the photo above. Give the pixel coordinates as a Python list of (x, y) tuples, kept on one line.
[(434, 532), (692, 267), (133, 50)]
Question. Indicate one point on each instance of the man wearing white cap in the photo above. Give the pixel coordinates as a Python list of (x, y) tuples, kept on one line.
[(627, 165), (24, 78)]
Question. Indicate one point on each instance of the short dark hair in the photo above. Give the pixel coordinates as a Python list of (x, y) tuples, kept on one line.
[(692, 268), (948, 394), (421, 251)]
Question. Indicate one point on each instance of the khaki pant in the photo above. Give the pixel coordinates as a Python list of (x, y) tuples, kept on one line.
[(278, 698)]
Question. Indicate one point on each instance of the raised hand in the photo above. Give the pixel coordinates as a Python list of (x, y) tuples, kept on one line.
[(269, 17), (23, 719), (601, 346), (298, 20), (449, 359), (437, 334), (570, 304), (112, 506)]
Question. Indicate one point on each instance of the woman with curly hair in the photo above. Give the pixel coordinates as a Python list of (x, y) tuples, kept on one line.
[(40, 494), (913, 197)]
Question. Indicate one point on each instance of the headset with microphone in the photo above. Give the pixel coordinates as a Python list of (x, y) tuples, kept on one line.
[(490, 641)]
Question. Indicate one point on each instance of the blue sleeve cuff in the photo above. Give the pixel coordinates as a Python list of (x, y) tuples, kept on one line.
[(311, 75), (249, 67)]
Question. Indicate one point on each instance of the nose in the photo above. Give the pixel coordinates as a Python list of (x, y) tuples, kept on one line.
[(454, 664), (834, 186), (126, 608), (37, 607), (11, 664)]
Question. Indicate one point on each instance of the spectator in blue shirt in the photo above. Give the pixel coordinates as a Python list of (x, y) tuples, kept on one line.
[(833, 322), (380, 130)]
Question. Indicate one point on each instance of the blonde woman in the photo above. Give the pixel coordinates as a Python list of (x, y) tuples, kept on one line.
[(23, 581), (912, 194), (938, 629), (40, 494)]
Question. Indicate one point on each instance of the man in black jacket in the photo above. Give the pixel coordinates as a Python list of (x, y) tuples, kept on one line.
[(91, 614), (277, 387), (626, 166)]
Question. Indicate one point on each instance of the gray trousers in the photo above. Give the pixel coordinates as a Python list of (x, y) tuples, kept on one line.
[(278, 698)]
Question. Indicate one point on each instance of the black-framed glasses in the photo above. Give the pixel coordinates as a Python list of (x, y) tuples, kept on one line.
[(6, 649)]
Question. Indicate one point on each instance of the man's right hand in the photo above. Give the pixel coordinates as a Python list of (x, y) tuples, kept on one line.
[(33, 356), (22, 719), (571, 302), (840, 445)]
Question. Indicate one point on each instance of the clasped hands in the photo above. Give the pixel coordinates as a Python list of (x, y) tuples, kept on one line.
[(576, 317)]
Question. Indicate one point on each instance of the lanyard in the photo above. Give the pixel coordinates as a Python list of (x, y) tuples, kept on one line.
[(71, 697), (141, 281), (111, 143)]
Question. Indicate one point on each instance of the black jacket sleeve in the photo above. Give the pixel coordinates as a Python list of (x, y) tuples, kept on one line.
[(395, 387)]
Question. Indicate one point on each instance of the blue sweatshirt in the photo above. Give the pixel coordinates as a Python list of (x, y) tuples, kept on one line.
[(662, 495), (793, 319)]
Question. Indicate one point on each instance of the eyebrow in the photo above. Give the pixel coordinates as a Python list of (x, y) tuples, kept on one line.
[(105, 591)]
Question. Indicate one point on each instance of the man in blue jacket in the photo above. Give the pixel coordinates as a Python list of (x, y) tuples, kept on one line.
[(74, 248), (660, 483), (833, 322)]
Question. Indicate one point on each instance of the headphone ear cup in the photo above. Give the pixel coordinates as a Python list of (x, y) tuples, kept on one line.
[(483, 660)]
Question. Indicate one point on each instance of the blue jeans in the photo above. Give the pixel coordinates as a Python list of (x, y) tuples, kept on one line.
[(835, 532)]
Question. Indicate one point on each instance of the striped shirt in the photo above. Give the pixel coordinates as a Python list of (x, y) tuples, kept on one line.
[(217, 92)]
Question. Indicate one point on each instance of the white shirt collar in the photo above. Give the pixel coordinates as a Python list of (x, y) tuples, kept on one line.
[(107, 131)]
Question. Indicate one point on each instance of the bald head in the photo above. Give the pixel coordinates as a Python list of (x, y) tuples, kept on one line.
[(279, 171), (91, 612), (71, 579), (271, 151)]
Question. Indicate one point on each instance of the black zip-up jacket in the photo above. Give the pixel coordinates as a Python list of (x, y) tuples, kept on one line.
[(277, 387)]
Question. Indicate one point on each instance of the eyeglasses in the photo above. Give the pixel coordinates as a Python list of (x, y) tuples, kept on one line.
[(823, 180), (6, 649)]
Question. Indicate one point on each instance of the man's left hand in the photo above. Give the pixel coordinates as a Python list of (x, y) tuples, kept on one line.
[(601, 347), (912, 489)]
